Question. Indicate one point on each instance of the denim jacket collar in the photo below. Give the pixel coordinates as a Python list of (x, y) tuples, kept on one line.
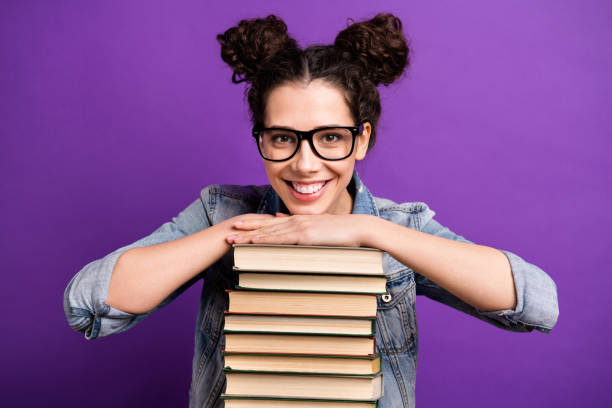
[(363, 201)]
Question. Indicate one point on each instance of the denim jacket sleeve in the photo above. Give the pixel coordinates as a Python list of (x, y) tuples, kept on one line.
[(536, 293), (85, 295)]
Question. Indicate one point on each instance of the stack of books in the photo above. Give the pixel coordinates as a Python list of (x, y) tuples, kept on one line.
[(300, 328)]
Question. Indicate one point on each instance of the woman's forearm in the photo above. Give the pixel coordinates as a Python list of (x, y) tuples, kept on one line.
[(143, 277), (479, 275)]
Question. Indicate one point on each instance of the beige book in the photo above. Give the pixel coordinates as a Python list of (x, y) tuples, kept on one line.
[(304, 364), (295, 403), (314, 259), (304, 386), (302, 303), (312, 282), (300, 324), (299, 344)]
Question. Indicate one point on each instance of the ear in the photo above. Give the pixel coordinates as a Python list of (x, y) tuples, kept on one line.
[(361, 141)]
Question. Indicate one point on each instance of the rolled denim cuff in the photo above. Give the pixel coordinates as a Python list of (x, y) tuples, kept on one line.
[(536, 298), (85, 297)]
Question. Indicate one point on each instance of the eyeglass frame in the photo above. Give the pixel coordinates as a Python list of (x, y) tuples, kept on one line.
[(307, 135)]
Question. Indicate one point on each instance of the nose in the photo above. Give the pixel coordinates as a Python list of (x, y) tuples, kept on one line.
[(305, 160)]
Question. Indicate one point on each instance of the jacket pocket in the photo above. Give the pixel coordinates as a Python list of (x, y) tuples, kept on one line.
[(396, 315)]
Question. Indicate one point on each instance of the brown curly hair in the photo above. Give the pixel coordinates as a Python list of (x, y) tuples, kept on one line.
[(364, 55)]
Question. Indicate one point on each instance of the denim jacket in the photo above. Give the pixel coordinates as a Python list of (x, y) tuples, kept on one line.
[(396, 334)]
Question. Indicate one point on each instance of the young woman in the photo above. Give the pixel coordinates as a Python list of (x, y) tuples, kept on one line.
[(314, 113)]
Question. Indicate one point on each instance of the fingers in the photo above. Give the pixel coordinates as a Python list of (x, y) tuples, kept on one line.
[(253, 223), (266, 234), (245, 238), (278, 238), (278, 229)]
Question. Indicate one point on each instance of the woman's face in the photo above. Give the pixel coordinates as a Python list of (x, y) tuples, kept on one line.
[(304, 107)]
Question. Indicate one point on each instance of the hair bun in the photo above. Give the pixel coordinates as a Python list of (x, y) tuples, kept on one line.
[(379, 45), (249, 45)]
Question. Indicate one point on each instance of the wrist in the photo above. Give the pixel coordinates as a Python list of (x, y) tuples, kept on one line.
[(369, 227)]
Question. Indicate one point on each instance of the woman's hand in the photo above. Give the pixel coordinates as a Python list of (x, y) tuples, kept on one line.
[(324, 229)]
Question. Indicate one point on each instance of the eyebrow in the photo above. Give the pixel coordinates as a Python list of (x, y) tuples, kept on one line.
[(318, 127)]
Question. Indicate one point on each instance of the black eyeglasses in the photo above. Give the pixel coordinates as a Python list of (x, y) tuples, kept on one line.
[(328, 143)]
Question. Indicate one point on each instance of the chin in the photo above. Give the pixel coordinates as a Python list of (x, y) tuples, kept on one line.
[(306, 210)]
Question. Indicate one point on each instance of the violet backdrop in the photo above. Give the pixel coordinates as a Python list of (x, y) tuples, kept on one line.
[(114, 115)]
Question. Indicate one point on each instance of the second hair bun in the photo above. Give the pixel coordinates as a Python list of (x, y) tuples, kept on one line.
[(379, 45)]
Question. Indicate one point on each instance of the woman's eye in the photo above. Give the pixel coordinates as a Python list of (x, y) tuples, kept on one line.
[(330, 138), (282, 139)]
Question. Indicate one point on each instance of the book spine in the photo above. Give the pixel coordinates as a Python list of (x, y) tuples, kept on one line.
[(253, 397), (255, 353), (238, 287), (308, 373), (228, 313), (225, 331), (241, 353)]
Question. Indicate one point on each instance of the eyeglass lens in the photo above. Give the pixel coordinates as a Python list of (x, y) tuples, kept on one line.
[(329, 143)]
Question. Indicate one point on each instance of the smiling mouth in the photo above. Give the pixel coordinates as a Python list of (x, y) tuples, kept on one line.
[(306, 188)]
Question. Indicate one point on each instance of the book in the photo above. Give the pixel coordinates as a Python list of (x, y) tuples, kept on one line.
[(346, 365), (300, 344), (312, 259), (262, 402), (312, 282), (257, 323), (299, 303), (312, 386)]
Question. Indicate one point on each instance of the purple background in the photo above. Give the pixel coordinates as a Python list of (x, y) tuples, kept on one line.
[(115, 114)]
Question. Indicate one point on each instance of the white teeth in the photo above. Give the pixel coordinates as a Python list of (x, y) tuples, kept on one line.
[(307, 188)]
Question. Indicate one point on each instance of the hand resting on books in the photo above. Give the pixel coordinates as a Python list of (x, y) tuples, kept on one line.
[(324, 229)]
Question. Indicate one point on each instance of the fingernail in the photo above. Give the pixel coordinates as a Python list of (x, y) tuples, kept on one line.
[(238, 223)]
